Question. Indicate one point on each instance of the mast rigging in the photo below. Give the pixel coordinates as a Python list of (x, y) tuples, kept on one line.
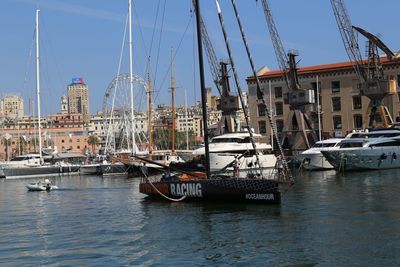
[(203, 89), (236, 78), (261, 100)]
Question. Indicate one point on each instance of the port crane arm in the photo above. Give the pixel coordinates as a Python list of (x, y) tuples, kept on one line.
[(280, 54), (373, 83), (378, 42), (349, 38), (297, 123), (210, 52)]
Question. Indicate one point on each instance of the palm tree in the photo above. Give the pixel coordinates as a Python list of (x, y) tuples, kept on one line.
[(7, 142), (93, 141), (22, 144)]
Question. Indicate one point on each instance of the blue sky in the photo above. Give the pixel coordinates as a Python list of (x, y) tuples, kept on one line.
[(83, 38)]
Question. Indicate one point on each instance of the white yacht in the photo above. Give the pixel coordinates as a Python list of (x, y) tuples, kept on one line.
[(224, 149), (165, 157), (374, 150), (312, 159), (27, 160)]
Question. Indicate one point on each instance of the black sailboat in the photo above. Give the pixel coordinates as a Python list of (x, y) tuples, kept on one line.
[(202, 186)]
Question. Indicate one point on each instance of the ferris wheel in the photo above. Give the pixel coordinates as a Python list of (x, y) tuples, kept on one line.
[(117, 115)]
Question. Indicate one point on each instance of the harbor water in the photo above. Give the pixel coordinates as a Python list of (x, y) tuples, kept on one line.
[(325, 219)]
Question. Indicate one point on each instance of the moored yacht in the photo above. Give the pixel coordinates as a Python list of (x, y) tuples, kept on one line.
[(165, 157), (373, 150), (224, 149), (312, 159), (28, 160), (30, 165)]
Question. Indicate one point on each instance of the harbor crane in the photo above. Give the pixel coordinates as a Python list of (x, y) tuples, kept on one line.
[(298, 127), (229, 103), (373, 83)]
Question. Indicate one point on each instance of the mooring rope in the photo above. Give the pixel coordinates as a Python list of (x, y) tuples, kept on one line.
[(156, 189), (160, 193)]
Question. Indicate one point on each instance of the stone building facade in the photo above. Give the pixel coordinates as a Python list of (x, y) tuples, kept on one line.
[(342, 108), (12, 106)]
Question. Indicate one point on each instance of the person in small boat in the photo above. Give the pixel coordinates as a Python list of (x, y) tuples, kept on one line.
[(47, 184)]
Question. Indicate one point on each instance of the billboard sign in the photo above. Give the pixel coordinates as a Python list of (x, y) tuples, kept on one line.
[(77, 80)]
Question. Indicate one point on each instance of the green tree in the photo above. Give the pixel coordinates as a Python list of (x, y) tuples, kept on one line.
[(7, 143), (93, 141), (162, 139), (49, 143), (22, 145), (34, 143)]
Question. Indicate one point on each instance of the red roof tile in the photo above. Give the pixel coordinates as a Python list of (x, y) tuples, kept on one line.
[(314, 69)]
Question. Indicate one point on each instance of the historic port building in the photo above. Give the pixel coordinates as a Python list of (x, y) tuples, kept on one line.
[(342, 108)]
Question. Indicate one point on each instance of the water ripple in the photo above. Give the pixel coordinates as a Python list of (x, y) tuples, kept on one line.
[(325, 219)]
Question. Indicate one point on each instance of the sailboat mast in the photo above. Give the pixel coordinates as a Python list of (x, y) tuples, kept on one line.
[(203, 88), (318, 111), (38, 83), (131, 78), (172, 102), (186, 122), (149, 113)]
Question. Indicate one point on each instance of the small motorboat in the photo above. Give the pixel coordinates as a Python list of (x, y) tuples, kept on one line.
[(41, 186)]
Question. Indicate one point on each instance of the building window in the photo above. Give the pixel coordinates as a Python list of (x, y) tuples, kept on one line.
[(78, 147), (398, 80), (317, 91), (279, 108), (62, 141), (279, 126), (337, 122), (335, 85), (262, 127), (357, 119), (261, 110), (336, 104), (357, 102), (278, 92)]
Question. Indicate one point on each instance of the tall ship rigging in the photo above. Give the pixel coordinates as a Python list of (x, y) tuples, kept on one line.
[(206, 186)]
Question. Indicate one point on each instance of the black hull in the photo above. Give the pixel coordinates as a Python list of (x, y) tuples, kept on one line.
[(188, 167), (224, 189), (23, 172), (103, 169)]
